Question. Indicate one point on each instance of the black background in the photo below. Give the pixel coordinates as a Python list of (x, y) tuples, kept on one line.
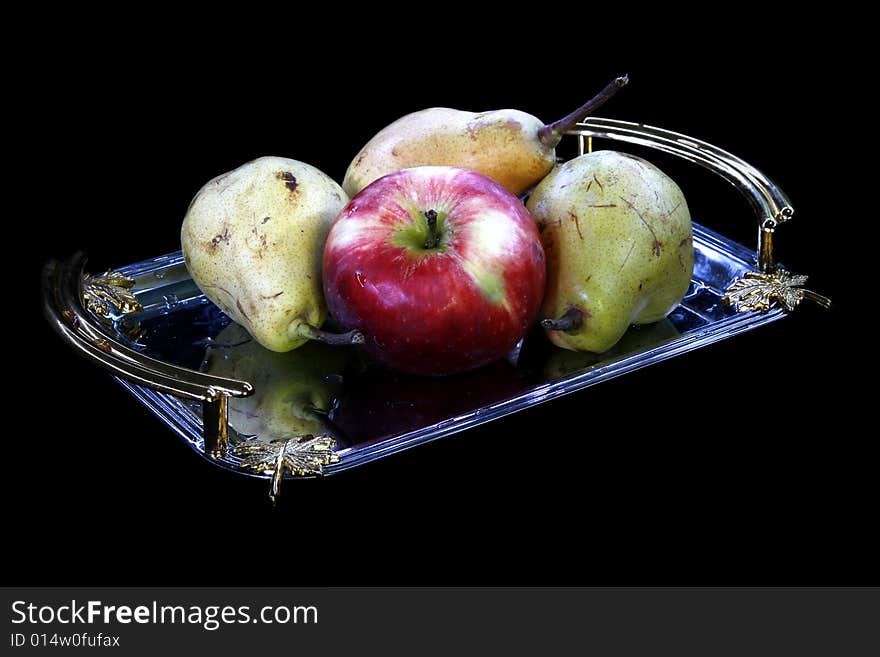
[(735, 464)]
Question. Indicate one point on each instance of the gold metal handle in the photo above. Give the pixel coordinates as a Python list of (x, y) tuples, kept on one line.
[(770, 285), (73, 303)]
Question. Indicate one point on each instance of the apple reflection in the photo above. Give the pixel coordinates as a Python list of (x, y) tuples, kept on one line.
[(382, 403)]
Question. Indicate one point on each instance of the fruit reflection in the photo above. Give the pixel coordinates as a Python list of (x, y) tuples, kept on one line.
[(562, 362), (381, 402), (293, 391)]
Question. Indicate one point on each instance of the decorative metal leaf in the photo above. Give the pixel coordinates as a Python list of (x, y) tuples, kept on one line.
[(790, 297), (108, 297), (300, 456), (761, 291), (749, 294), (108, 294)]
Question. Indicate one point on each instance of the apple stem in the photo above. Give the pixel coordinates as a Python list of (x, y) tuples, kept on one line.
[(312, 333), (551, 134), (433, 238), (571, 320)]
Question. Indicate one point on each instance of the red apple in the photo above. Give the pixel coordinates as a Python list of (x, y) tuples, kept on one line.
[(440, 268)]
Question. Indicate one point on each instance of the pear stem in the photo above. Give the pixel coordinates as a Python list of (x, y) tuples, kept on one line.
[(433, 238), (551, 134), (312, 333), (571, 320)]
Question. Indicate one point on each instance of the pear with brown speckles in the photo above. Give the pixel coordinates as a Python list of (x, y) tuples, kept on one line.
[(617, 235), (512, 147), (253, 242)]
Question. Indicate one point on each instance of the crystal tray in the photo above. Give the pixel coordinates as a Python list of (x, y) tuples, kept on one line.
[(320, 410)]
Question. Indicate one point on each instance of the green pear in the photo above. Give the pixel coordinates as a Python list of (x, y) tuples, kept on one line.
[(514, 148), (617, 235), (253, 242), (291, 390)]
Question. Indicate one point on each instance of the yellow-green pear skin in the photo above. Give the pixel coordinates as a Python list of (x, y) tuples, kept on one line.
[(253, 241), (512, 147), (288, 387), (617, 236), (503, 145)]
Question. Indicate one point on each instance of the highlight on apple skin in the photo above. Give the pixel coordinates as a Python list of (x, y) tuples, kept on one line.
[(440, 268)]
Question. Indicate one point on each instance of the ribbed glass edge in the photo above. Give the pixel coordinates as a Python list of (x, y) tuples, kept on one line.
[(151, 266)]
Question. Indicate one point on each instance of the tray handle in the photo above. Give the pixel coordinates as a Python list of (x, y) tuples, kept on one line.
[(758, 290), (73, 302)]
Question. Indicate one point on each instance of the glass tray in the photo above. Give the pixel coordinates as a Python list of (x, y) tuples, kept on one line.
[(320, 410), (372, 412)]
